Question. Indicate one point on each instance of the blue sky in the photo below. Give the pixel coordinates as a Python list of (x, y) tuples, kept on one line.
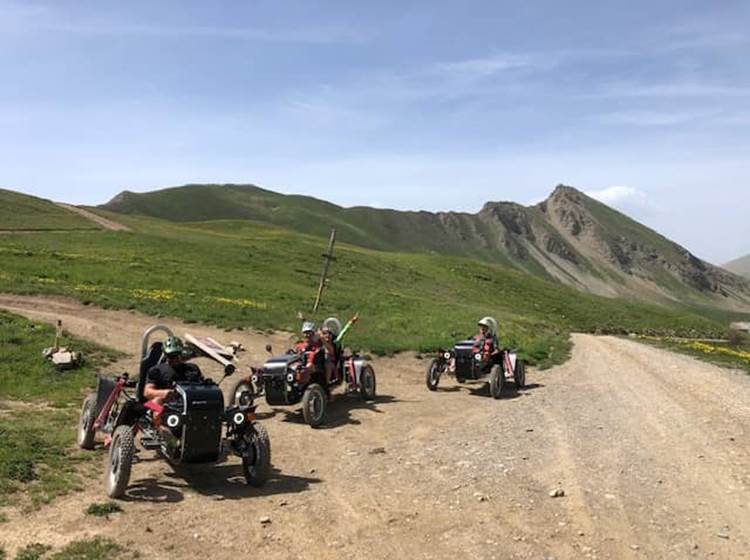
[(418, 105)]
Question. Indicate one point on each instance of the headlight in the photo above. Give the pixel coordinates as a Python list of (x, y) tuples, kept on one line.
[(447, 355), (246, 398), (255, 378), (238, 418), (173, 420), (478, 357), (290, 377)]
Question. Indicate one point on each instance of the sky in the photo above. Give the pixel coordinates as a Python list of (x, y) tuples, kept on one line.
[(434, 105)]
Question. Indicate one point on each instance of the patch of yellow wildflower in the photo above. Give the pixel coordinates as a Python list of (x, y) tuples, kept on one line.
[(155, 295), (709, 349), (702, 347), (240, 302)]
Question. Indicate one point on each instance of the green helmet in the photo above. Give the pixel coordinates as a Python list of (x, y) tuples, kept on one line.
[(173, 345)]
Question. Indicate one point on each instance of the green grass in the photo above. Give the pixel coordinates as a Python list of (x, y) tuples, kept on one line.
[(23, 212), (103, 510), (34, 551), (25, 375), (97, 548), (94, 549), (239, 274), (37, 423)]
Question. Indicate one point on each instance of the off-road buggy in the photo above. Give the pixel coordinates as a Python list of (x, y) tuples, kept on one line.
[(284, 381), (467, 362), (192, 426)]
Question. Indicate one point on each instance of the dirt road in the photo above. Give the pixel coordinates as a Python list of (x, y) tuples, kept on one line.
[(96, 218), (652, 450)]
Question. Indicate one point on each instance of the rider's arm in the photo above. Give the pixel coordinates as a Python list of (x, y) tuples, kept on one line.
[(151, 392)]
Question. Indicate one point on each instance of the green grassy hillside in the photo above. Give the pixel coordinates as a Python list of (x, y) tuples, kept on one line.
[(740, 266), (242, 274), (23, 212), (569, 238)]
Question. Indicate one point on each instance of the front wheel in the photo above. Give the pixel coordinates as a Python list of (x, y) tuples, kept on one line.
[(520, 374), (86, 432), (256, 466), (120, 460), (242, 394), (367, 383), (432, 375), (314, 405), (497, 380)]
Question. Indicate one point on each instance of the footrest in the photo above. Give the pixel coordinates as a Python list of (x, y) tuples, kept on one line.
[(150, 443)]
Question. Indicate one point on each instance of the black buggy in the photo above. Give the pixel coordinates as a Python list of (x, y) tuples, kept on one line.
[(284, 381), (466, 362), (192, 426)]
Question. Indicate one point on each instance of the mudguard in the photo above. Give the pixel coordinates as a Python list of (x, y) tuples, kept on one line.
[(359, 363)]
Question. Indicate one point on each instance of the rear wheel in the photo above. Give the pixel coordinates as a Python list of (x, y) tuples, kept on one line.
[(432, 376), (119, 462), (520, 374), (86, 432), (497, 380), (242, 394), (257, 465), (314, 405), (367, 383)]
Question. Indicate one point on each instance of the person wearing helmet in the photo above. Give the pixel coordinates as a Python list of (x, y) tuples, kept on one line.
[(329, 350), (485, 342), (161, 379), (311, 349)]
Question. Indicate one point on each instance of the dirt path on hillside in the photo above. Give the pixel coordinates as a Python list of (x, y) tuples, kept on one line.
[(651, 448), (103, 222)]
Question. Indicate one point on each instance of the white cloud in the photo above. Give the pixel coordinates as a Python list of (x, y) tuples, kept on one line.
[(618, 195), (652, 118), (485, 66)]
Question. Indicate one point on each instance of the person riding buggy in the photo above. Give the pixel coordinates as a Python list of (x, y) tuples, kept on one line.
[(162, 378), (174, 410), (310, 371), (486, 342), (476, 358)]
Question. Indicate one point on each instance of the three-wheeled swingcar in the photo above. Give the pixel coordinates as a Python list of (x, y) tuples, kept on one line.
[(191, 426)]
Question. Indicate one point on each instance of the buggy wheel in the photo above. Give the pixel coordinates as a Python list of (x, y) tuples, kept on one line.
[(242, 394), (314, 405), (120, 460), (367, 383), (257, 466), (432, 376), (520, 374), (86, 432), (497, 380)]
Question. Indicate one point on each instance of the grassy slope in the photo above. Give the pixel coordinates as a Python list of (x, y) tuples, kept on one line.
[(35, 443), (381, 229), (240, 274), (740, 266), (23, 212)]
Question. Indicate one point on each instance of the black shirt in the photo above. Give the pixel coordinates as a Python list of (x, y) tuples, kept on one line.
[(165, 376)]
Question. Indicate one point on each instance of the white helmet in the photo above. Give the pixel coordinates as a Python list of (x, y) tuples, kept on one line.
[(333, 325), (490, 323), (308, 326)]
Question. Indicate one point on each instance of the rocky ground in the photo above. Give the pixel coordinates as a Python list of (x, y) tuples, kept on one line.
[(626, 451)]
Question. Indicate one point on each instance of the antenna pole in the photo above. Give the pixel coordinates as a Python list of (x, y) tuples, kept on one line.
[(327, 259)]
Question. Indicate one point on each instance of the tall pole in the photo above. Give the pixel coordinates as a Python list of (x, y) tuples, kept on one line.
[(327, 259)]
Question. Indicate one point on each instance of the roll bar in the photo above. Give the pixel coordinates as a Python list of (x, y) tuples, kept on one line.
[(147, 334)]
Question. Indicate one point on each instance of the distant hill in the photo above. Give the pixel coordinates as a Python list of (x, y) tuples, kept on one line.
[(22, 212), (569, 237), (740, 266)]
